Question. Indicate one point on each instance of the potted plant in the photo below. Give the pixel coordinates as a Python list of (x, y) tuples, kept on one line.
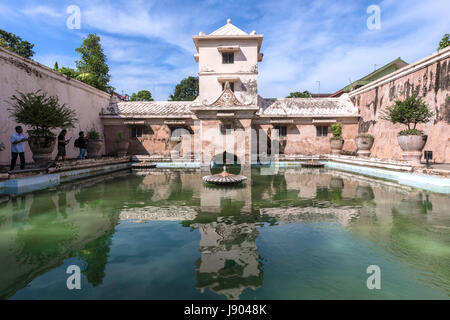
[(122, 145), (410, 112), (42, 113), (94, 145), (364, 142), (336, 140)]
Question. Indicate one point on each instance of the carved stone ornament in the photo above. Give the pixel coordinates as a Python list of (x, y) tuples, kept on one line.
[(227, 98)]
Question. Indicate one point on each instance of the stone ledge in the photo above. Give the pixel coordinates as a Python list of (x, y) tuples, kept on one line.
[(373, 162), (44, 181), (68, 165), (88, 163), (415, 180), (436, 172)]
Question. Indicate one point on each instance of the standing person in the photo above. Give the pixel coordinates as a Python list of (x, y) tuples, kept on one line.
[(81, 143), (18, 148), (62, 142)]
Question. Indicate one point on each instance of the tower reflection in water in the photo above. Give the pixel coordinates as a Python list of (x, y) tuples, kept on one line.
[(228, 218), (39, 232)]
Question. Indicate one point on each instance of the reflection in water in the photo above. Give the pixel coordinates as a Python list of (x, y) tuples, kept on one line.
[(40, 231), (229, 260)]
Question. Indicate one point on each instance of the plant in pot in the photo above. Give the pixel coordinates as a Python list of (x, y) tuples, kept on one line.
[(364, 142), (336, 140), (410, 112), (94, 145), (42, 113), (122, 145)]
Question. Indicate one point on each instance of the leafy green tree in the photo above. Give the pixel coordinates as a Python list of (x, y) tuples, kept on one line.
[(67, 71), (41, 113), (186, 90), (16, 44), (409, 112), (298, 94), (92, 67), (336, 131), (445, 42), (143, 95)]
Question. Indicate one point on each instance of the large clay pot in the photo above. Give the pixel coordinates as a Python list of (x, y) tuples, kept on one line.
[(336, 146), (122, 148), (94, 147), (412, 146), (42, 149), (363, 144)]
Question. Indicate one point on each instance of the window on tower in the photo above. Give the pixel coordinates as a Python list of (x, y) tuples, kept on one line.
[(228, 57), (231, 86)]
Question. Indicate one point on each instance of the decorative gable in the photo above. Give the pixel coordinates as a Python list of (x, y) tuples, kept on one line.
[(227, 98)]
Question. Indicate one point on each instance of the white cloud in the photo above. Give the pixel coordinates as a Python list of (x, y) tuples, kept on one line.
[(149, 45), (334, 49), (42, 11)]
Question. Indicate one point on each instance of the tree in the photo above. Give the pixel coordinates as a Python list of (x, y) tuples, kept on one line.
[(16, 44), (336, 131), (445, 42), (92, 68), (409, 112), (298, 94), (67, 71), (143, 95), (41, 113), (186, 90)]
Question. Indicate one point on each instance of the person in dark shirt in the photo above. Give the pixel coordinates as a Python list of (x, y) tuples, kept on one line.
[(62, 142), (81, 143)]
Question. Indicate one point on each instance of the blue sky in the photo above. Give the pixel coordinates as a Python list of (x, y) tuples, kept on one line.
[(149, 45)]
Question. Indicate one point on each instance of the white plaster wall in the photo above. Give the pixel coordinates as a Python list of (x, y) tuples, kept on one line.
[(20, 74), (245, 67)]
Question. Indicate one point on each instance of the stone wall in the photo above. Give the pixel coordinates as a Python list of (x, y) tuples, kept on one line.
[(430, 79), (302, 139), (20, 74), (156, 138)]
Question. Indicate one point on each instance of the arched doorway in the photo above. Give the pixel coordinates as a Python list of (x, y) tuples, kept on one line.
[(231, 161)]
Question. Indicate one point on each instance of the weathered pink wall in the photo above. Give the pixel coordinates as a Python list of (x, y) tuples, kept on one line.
[(155, 140), (20, 74), (430, 79), (302, 139)]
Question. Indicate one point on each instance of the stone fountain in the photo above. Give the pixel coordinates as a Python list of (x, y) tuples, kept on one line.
[(224, 178)]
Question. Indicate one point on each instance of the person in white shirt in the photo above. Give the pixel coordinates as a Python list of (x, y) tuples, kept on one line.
[(18, 148)]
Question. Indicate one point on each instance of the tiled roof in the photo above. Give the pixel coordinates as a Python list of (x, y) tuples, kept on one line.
[(155, 108), (287, 107), (228, 30), (307, 107)]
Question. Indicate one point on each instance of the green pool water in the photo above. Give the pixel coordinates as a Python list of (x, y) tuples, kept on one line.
[(293, 234)]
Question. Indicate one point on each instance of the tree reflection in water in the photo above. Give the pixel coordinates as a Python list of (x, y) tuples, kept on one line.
[(79, 221)]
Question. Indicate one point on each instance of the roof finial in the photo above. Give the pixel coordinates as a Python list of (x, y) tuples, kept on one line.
[(228, 21)]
